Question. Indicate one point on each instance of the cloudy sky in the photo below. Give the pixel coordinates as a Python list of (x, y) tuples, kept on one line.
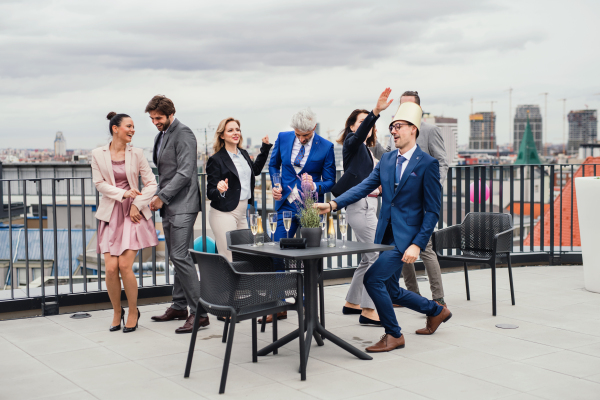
[(66, 63)]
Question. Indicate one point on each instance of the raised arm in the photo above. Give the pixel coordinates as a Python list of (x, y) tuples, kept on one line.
[(261, 159)]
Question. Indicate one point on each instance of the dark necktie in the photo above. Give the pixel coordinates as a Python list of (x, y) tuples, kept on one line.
[(299, 157), (159, 144), (401, 160)]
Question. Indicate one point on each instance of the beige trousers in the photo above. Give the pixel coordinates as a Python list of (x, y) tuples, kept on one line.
[(223, 222)]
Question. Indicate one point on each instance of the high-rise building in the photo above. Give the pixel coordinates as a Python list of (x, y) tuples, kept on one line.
[(583, 128), (449, 130), (483, 131), (60, 145), (535, 122)]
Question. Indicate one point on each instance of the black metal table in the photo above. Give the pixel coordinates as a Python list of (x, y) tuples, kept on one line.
[(311, 258)]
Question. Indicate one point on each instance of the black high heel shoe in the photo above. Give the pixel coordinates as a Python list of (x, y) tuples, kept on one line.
[(127, 330), (118, 327)]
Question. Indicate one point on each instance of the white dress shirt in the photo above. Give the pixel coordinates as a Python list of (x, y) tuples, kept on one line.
[(295, 150), (406, 155), (244, 173)]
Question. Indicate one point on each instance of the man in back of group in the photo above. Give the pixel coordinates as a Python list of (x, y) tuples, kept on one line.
[(430, 140)]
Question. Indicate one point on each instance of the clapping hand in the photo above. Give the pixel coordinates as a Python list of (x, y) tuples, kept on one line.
[(223, 186), (133, 193), (382, 102), (265, 140)]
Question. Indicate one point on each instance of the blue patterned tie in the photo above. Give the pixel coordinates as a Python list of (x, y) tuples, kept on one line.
[(299, 157), (401, 160)]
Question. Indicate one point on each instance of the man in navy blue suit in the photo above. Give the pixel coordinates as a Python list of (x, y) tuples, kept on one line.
[(410, 207)]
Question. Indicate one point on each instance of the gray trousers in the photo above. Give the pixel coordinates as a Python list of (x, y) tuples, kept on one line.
[(432, 267), (362, 217), (179, 237)]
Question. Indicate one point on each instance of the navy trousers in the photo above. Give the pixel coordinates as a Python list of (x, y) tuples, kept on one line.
[(381, 282), (280, 231)]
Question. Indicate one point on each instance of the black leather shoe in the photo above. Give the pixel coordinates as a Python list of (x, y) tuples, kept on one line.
[(118, 327), (127, 330), (368, 321), (348, 310)]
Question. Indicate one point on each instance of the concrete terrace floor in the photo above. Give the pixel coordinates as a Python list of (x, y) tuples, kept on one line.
[(554, 354)]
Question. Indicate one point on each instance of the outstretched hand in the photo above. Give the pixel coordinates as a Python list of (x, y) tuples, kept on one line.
[(223, 186), (382, 102), (324, 208)]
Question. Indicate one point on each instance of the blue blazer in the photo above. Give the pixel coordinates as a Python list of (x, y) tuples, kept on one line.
[(320, 165), (414, 208)]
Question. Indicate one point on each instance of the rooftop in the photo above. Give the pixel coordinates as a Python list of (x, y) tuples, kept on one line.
[(554, 354)]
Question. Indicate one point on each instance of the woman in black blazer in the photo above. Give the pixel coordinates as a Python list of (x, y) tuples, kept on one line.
[(359, 133), (230, 185)]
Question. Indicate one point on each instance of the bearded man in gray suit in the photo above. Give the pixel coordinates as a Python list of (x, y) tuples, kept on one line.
[(178, 199), (430, 140)]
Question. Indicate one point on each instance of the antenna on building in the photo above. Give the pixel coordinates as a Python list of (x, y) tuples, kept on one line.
[(545, 136), (564, 125), (510, 113)]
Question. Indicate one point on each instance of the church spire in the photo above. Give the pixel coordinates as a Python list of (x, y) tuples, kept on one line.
[(527, 151)]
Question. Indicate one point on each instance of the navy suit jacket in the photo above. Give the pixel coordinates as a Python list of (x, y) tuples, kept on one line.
[(413, 208), (320, 165)]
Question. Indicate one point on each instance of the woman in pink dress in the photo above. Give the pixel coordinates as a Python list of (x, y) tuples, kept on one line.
[(125, 219)]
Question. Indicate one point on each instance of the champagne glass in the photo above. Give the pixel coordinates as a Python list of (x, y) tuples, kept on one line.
[(323, 222), (343, 224), (287, 222), (254, 226), (273, 225), (277, 181)]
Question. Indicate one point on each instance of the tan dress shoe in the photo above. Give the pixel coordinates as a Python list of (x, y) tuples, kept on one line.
[(387, 343), (434, 322), (188, 327), (281, 315)]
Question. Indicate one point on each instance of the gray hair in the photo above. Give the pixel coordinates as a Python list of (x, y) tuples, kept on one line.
[(304, 120)]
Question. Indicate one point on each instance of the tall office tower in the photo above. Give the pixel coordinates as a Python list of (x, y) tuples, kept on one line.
[(483, 131), (535, 122), (60, 145), (583, 128), (449, 130)]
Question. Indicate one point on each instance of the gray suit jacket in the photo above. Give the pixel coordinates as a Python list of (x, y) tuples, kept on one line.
[(177, 165), (430, 140)]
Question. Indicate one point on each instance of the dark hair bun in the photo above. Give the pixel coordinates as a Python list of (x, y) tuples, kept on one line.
[(110, 115)]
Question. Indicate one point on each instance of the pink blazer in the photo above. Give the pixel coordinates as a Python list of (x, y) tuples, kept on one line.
[(104, 179)]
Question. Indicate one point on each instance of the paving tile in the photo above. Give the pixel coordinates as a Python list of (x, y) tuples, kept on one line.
[(174, 364), (460, 387), (66, 341), (511, 348), (16, 364), (78, 395), (148, 348), (579, 389), (567, 362), (80, 359), (274, 391), (97, 377), (158, 389), (589, 349), (459, 359), (390, 394), (27, 386), (562, 338), (337, 385)]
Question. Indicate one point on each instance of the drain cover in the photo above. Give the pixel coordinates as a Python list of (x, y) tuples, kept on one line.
[(507, 326), (80, 315)]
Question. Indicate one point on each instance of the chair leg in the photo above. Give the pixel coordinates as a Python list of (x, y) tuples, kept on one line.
[(227, 355), (512, 289), (493, 288), (254, 341), (225, 328), (275, 331), (263, 323), (188, 365), (467, 282)]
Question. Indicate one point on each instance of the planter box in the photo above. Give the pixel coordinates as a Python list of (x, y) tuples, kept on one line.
[(588, 196)]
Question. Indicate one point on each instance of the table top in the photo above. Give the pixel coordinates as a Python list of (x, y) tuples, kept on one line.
[(311, 252)]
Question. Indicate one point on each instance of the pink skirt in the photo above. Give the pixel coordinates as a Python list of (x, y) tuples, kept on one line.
[(120, 234)]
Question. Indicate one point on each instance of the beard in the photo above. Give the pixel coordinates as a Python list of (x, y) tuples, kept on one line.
[(166, 125)]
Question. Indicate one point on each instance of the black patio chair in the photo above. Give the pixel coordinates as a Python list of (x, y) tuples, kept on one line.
[(224, 291), (265, 264), (482, 237)]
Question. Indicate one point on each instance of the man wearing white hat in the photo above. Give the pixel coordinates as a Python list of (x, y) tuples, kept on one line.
[(409, 212)]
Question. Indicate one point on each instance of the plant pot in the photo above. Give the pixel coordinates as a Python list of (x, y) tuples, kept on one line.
[(312, 235), (588, 193)]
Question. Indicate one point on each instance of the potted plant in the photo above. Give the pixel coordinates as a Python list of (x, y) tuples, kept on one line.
[(308, 216)]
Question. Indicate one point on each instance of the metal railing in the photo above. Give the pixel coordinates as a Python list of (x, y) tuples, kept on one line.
[(511, 188)]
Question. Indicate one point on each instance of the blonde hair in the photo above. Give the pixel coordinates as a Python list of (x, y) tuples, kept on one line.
[(219, 141)]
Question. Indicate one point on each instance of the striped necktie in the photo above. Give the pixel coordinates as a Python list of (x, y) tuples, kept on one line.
[(299, 157)]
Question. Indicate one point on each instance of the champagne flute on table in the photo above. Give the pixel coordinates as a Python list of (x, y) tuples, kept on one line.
[(273, 225), (323, 223), (343, 224), (287, 222), (254, 227)]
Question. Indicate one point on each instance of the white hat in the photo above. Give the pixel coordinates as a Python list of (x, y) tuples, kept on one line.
[(409, 112)]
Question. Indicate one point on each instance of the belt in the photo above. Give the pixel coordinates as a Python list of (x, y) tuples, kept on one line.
[(373, 195)]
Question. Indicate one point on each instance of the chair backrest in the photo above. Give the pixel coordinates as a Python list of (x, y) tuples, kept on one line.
[(218, 280), (479, 228), (244, 236)]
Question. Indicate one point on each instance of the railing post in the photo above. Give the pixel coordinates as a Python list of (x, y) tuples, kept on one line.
[(26, 230), (204, 210), (551, 189), (70, 244), (10, 241), (263, 183), (55, 234), (83, 235)]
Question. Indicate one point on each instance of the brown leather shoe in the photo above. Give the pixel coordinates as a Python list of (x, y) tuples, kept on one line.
[(188, 327), (443, 305), (281, 315), (434, 322), (171, 314), (387, 343), (397, 306)]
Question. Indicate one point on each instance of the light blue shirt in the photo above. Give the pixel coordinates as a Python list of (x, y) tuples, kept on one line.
[(244, 173)]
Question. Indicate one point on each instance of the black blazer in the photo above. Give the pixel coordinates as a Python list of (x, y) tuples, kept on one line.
[(220, 166), (357, 159)]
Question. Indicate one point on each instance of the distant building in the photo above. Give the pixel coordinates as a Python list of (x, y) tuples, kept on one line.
[(583, 128), (60, 145), (339, 155), (449, 131), (535, 122), (248, 142), (483, 131)]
